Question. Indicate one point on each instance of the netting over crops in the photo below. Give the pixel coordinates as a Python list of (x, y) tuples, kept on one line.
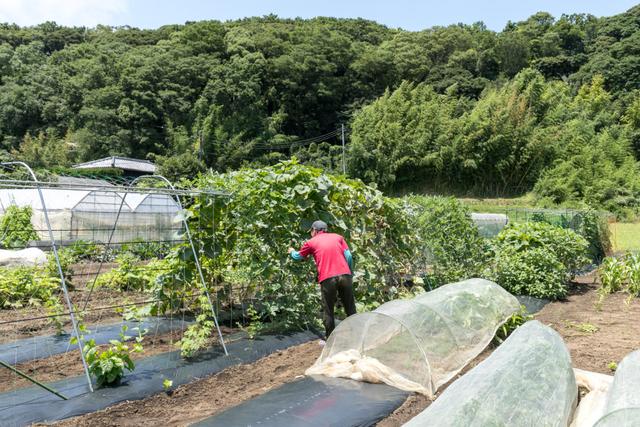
[(421, 343), (527, 381), (623, 401)]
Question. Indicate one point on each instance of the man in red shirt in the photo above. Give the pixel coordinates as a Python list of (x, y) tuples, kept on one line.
[(334, 263)]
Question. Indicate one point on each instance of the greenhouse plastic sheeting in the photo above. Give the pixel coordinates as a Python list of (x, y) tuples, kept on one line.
[(489, 225), (623, 401), (421, 343), (527, 381)]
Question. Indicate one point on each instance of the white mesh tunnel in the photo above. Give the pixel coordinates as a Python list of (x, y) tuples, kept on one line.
[(623, 400), (527, 381), (421, 342)]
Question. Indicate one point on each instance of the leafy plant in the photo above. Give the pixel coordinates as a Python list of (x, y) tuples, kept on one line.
[(167, 384), (16, 229), (145, 250), (612, 274), (618, 274), (197, 335), (516, 320), (130, 274), (108, 366), (85, 250), (613, 366), (587, 328), (26, 286), (256, 325)]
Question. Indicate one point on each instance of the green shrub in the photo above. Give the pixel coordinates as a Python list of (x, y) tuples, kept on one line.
[(536, 259), (16, 227), (450, 238), (568, 247), (536, 272), (26, 286)]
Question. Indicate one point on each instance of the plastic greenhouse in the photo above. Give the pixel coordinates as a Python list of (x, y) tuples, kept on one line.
[(527, 381), (489, 225), (623, 400), (425, 340), (90, 214)]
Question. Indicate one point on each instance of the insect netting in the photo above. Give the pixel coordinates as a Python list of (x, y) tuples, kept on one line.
[(527, 381), (623, 400), (420, 343)]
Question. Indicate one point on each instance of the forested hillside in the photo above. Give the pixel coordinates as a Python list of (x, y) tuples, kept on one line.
[(549, 104)]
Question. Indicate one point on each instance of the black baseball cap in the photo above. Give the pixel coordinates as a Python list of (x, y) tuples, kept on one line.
[(319, 225)]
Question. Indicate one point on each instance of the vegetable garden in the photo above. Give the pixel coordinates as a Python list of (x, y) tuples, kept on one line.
[(147, 311)]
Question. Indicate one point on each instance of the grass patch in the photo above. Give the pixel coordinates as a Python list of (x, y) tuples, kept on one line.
[(625, 236)]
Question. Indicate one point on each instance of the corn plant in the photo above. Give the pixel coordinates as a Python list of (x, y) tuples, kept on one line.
[(613, 273), (633, 274)]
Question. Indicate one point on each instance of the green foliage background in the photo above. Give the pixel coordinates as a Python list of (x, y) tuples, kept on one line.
[(548, 103)]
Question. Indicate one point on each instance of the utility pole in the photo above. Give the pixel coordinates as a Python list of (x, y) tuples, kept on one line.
[(344, 165)]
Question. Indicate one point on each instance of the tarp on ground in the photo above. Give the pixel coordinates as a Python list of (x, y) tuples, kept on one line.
[(527, 381), (32, 405), (623, 400), (421, 343), (314, 402)]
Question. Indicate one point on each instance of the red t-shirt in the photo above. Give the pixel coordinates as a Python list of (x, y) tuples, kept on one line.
[(328, 252)]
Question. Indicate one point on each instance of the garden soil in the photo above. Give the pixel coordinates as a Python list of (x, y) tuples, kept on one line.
[(595, 336)]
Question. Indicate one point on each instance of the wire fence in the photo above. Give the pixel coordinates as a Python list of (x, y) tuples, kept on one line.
[(124, 254)]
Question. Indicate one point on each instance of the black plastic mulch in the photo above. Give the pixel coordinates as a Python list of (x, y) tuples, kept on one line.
[(30, 405), (315, 401)]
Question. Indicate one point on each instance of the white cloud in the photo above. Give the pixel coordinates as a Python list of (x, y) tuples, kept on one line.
[(65, 12)]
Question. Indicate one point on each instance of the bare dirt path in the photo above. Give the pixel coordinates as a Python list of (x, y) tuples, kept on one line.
[(595, 336)]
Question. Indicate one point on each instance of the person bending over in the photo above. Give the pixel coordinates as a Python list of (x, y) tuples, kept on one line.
[(334, 263)]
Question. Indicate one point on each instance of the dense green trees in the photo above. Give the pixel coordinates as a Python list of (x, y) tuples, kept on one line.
[(453, 108)]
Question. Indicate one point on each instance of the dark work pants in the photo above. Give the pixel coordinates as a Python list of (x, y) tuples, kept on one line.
[(342, 287)]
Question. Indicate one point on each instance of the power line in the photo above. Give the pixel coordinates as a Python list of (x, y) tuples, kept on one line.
[(299, 143)]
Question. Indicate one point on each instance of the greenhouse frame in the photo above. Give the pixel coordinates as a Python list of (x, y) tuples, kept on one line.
[(89, 213)]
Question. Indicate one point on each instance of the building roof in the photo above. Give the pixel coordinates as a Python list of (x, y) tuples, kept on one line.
[(117, 162)]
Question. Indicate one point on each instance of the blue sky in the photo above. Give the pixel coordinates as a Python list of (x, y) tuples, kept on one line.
[(411, 15)]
